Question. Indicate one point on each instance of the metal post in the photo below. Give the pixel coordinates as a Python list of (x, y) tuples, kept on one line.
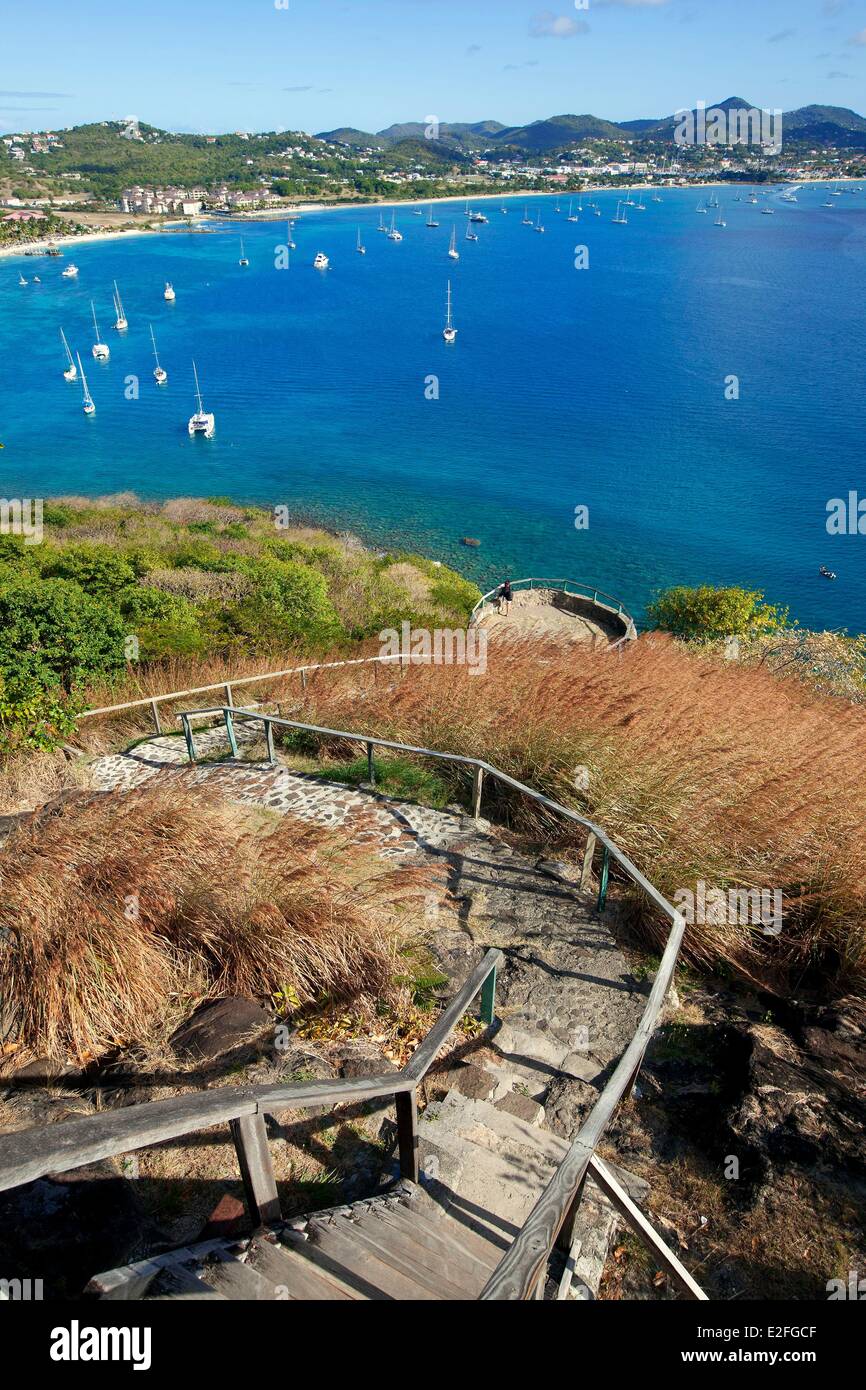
[(488, 997), (155, 708), (230, 730), (269, 736), (371, 767), (477, 783), (260, 1187), (187, 733), (602, 887), (407, 1134)]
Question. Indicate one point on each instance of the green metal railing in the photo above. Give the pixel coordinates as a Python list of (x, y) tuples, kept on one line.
[(607, 603)]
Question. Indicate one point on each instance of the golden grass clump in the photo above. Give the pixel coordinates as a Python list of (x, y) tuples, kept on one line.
[(120, 911)]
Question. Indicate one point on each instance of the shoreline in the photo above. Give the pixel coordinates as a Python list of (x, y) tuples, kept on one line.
[(280, 214)]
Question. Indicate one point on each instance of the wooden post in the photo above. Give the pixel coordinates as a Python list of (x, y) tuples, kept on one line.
[(477, 783), (230, 730), (488, 997), (187, 733), (155, 708), (303, 682), (586, 870), (407, 1134), (229, 696), (602, 886), (269, 736), (371, 766), (251, 1144)]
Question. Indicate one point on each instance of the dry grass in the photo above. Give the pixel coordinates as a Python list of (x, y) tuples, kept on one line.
[(700, 769), (119, 911)]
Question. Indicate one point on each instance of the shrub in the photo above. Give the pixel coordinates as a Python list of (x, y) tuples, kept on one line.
[(100, 569), (707, 614), (53, 633)]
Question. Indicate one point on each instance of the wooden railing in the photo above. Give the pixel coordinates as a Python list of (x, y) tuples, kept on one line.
[(26, 1155)]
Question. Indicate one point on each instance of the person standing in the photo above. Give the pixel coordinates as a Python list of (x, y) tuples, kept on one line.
[(505, 598)]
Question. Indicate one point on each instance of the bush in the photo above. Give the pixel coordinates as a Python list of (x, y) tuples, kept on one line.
[(52, 633), (708, 614), (33, 716), (192, 552), (100, 569), (288, 601)]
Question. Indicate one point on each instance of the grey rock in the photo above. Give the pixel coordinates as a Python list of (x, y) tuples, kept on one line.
[(524, 1107), (219, 1026)]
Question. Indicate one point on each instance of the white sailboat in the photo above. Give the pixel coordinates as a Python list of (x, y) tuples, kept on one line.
[(244, 259), (431, 221), (89, 407), (71, 371), (449, 333), (527, 220), (393, 234), (572, 215), (21, 279), (201, 422), (289, 242), (121, 321), (160, 375), (701, 209), (538, 226), (640, 205), (470, 235), (452, 249), (360, 248), (621, 219), (100, 350), (720, 221), (168, 293), (381, 227)]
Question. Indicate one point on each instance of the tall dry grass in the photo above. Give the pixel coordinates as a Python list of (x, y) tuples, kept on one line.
[(120, 911), (700, 770)]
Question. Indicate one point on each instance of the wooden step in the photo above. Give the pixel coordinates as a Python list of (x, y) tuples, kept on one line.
[(178, 1283), (334, 1239), (488, 1250), (450, 1279), (286, 1268), (442, 1243), (239, 1281)]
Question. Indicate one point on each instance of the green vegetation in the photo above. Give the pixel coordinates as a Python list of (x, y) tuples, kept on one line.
[(707, 614), (116, 585), (400, 778)]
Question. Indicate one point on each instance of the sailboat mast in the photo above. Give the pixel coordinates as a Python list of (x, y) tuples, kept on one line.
[(197, 391)]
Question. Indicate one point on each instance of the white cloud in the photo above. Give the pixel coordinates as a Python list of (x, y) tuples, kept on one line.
[(548, 25)]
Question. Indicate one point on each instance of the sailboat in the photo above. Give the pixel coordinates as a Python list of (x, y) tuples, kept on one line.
[(71, 371), (100, 350), (656, 198), (572, 216), (381, 227), (470, 235), (720, 221), (360, 248), (168, 293), (201, 422), (538, 226), (289, 242), (121, 322), (527, 220), (449, 333), (452, 249), (89, 407), (629, 202), (640, 205), (243, 260), (557, 209), (712, 201), (621, 219), (160, 375), (21, 279), (701, 209), (431, 221), (393, 234)]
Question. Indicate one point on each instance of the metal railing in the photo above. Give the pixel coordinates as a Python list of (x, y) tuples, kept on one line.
[(572, 589)]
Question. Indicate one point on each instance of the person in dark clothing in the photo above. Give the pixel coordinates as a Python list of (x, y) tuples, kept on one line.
[(505, 597)]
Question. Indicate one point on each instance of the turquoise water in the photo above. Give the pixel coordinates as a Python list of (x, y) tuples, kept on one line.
[(602, 387)]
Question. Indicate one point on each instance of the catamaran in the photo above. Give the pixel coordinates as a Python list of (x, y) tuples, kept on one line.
[(168, 293), (360, 248), (160, 375), (393, 234), (243, 260), (71, 371), (449, 333), (452, 249), (70, 272), (100, 350), (477, 217), (121, 322), (431, 221), (89, 407), (201, 422)]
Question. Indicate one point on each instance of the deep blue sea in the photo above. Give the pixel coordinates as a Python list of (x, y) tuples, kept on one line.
[(602, 387)]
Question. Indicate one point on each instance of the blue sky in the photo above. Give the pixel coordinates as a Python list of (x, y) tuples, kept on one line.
[(206, 65)]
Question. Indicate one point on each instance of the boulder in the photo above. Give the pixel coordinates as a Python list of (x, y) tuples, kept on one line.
[(218, 1027)]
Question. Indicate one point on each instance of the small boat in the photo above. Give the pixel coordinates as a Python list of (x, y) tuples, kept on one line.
[(827, 574), (828, 204), (381, 227), (393, 234), (836, 192), (71, 372), (452, 249), (527, 220), (640, 205), (100, 350), (657, 199), (160, 375), (538, 226), (37, 280), (289, 242), (557, 209), (449, 332), (713, 201), (720, 221), (21, 279), (417, 212), (321, 262), (470, 235), (572, 215), (767, 212), (431, 221), (505, 210), (70, 272), (201, 422), (621, 219), (701, 209), (168, 293), (244, 260), (360, 248), (477, 217), (753, 197), (89, 407), (121, 322)]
